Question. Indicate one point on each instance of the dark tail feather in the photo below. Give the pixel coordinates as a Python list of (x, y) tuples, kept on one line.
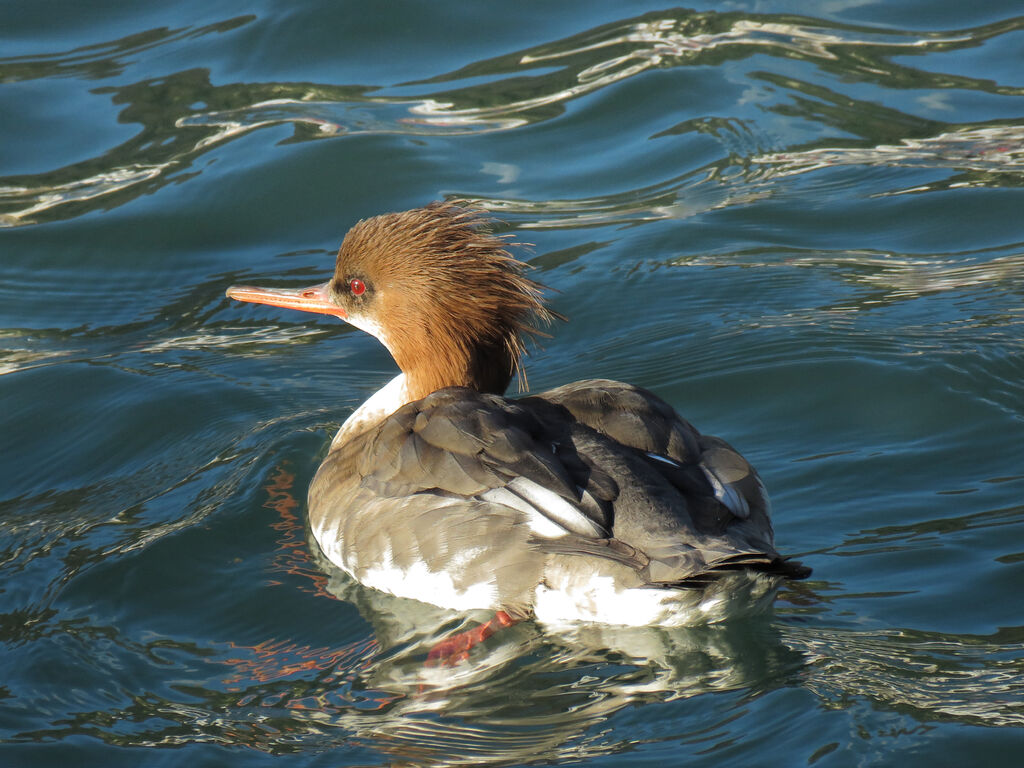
[(620, 552), (752, 561)]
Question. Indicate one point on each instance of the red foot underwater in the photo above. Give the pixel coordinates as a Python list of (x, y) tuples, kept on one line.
[(455, 649)]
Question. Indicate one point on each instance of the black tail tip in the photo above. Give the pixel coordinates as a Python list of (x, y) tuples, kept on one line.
[(793, 569)]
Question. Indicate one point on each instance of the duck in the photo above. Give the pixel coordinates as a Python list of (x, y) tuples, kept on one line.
[(594, 501)]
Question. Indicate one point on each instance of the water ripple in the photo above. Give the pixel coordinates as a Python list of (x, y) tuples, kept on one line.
[(963, 678), (183, 115), (109, 58), (989, 156)]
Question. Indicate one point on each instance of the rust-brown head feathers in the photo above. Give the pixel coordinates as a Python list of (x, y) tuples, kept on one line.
[(455, 302)]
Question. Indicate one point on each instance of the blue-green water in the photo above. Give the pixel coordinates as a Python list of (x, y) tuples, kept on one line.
[(801, 223)]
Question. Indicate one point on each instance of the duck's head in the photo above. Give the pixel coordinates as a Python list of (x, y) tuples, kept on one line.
[(437, 288)]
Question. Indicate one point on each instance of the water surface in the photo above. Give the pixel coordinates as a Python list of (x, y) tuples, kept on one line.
[(800, 223)]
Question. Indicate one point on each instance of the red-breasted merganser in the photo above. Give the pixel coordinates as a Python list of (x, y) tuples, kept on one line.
[(593, 501)]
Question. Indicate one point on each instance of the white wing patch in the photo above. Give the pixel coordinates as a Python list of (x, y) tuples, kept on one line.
[(724, 492), (542, 526), (548, 514), (728, 495), (663, 459)]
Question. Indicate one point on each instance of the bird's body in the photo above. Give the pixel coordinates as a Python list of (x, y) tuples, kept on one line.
[(593, 501)]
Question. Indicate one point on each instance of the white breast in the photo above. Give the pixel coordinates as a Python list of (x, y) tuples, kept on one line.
[(383, 402)]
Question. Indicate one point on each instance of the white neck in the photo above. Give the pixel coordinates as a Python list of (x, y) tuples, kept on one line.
[(381, 404)]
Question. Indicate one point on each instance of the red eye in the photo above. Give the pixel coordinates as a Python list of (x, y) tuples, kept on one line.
[(357, 286)]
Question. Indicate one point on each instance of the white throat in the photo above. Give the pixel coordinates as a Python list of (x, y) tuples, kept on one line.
[(382, 403)]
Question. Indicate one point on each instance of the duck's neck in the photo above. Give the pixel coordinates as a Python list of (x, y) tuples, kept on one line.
[(487, 369), (484, 367)]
